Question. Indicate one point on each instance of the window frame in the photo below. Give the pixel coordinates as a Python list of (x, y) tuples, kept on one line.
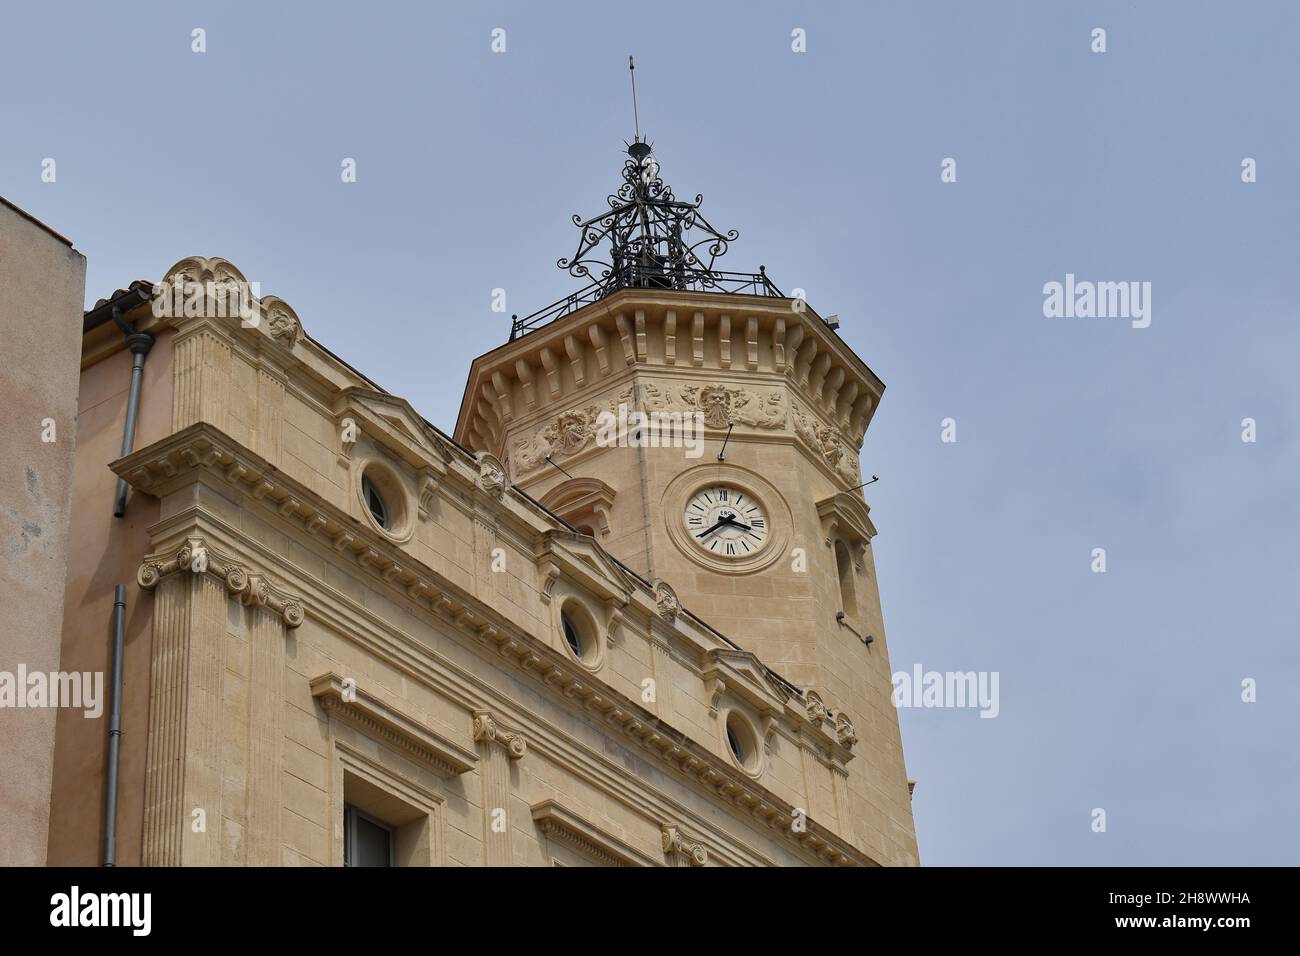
[(750, 759), (591, 630), (351, 814), (368, 488), (846, 577), (572, 634)]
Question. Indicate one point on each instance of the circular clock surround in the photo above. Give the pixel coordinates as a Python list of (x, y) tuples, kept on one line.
[(753, 547)]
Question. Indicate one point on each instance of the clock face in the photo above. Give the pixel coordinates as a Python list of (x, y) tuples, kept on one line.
[(725, 521)]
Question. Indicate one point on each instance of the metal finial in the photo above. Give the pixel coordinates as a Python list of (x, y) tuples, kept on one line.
[(636, 121)]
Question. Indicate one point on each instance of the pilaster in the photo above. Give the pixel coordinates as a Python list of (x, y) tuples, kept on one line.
[(189, 739), (497, 748)]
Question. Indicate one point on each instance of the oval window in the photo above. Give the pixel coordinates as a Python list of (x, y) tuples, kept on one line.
[(572, 636), (375, 502), (743, 743), (734, 741)]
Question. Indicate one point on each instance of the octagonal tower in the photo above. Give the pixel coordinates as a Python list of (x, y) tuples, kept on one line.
[(741, 487)]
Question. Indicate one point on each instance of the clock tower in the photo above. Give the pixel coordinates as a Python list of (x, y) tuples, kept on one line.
[(704, 428)]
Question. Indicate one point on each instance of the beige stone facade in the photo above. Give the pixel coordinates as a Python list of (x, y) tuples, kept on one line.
[(42, 289), (290, 655)]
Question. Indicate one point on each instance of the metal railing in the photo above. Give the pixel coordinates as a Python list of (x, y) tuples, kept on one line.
[(638, 277)]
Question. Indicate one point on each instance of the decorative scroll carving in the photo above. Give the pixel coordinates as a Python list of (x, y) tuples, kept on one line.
[(817, 711), (757, 408), (486, 728), (566, 434), (666, 600), (281, 321), (204, 270), (214, 288), (844, 730), (550, 574), (491, 474), (574, 430), (617, 621), (715, 687), (679, 850), (429, 482), (825, 441), (198, 557)]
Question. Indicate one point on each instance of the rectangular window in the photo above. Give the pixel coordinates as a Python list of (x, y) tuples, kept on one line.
[(366, 841)]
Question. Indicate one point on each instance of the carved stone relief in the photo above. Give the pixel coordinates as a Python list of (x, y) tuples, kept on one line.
[(834, 450), (756, 408), (566, 434)]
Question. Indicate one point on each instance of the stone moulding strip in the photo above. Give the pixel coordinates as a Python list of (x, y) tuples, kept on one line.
[(156, 469), (564, 826), (366, 711), (198, 557)]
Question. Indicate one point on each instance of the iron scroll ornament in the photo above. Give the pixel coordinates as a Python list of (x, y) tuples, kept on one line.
[(654, 239)]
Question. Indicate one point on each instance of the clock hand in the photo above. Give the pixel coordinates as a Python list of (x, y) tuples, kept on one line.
[(709, 531), (735, 524)]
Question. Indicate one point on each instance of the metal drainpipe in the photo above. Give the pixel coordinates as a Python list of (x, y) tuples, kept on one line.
[(139, 343), (114, 727)]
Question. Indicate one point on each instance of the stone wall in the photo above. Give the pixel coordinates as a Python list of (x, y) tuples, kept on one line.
[(42, 286)]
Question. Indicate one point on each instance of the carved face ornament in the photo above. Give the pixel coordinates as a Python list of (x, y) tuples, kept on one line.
[(572, 432), (716, 405)]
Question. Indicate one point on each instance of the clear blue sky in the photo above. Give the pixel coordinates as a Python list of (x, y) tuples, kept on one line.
[(1119, 690)]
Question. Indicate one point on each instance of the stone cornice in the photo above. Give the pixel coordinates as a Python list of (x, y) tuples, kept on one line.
[(671, 746), (849, 514), (198, 557), (691, 333), (585, 561), (168, 464), (578, 494), (395, 425), (358, 706), (746, 676), (564, 826)]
